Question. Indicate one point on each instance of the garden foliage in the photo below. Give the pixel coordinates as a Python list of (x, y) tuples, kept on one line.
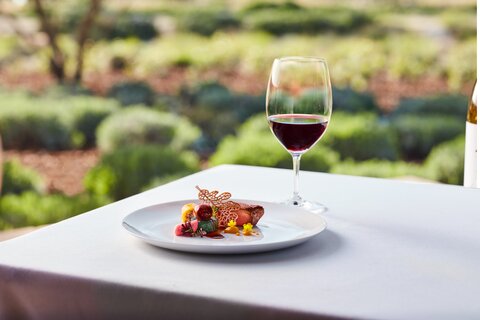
[(361, 136), (32, 209), (132, 92), (143, 134), (378, 168), (417, 135), (18, 178), (129, 170), (445, 162), (449, 105), (140, 125), (28, 122)]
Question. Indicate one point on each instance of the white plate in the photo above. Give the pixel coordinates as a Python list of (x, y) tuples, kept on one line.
[(280, 227)]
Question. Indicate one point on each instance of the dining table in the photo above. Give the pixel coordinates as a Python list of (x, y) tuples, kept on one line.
[(391, 249)]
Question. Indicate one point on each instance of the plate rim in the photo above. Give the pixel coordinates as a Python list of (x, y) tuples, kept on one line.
[(240, 248)]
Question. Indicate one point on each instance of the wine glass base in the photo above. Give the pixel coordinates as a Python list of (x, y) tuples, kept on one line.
[(312, 206)]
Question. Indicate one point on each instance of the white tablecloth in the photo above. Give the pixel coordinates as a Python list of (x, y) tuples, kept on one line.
[(392, 250)]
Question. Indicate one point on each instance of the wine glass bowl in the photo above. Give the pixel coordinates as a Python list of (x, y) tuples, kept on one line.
[(298, 107)]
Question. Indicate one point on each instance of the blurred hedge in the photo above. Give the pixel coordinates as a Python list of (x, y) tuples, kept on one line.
[(217, 111), (417, 135), (128, 170), (31, 209), (378, 168), (84, 115), (141, 125), (349, 100), (132, 92), (28, 122), (360, 137), (18, 178), (445, 163), (281, 20), (260, 5), (462, 24), (451, 105), (110, 24), (208, 21)]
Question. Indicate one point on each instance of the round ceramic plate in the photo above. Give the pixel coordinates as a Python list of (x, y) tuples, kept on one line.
[(280, 227)]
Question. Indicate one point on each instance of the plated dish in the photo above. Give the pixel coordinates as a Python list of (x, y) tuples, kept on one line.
[(281, 227)]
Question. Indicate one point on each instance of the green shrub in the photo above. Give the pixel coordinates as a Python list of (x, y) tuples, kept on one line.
[(207, 22), (446, 161), (312, 20), (378, 169), (127, 24), (56, 121), (258, 6), (361, 137), (244, 106), (211, 95), (169, 103), (132, 92), (214, 96), (412, 56), (459, 62), (85, 114), (30, 208), (28, 123), (65, 91), (461, 24), (451, 105), (217, 111), (351, 67), (349, 100), (256, 145), (417, 135), (140, 125), (128, 170), (112, 24), (17, 178)]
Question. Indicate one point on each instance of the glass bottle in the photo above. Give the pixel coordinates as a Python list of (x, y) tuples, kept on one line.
[(470, 178)]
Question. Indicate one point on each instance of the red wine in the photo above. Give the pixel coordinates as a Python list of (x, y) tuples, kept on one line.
[(298, 132)]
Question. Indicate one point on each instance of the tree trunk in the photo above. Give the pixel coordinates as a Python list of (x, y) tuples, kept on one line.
[(57, 61), (82, 36)]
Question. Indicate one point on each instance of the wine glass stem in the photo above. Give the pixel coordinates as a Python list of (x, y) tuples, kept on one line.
[(296, 171)]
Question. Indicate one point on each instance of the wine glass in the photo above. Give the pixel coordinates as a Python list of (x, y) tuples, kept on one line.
[(299, 106)]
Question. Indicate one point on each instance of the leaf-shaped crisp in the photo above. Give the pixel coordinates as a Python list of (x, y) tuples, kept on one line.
[(212, 197), (226, 210)]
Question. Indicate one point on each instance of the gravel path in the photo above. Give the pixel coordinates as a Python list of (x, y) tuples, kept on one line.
[(62, 170)]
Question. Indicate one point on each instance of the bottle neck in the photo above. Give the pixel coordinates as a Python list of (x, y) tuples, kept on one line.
[(472, 113), (472, 106)]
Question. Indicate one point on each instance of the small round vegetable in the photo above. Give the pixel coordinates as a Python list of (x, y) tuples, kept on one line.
[(187, 212), (203, 212)]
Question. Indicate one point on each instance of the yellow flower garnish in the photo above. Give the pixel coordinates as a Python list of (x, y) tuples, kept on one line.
[(247, 229), (232, 228), (187, 212)]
